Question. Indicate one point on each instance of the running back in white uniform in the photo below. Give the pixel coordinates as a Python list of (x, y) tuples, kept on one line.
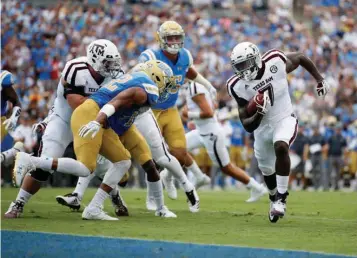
[(279, 123), (209, 132), (58, 132)]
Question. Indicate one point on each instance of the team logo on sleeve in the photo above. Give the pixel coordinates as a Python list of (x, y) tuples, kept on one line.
[(273, 69)]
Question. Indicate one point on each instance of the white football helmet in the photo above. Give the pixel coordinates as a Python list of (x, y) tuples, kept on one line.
[(171, 37), (104, 57), (246, 60)]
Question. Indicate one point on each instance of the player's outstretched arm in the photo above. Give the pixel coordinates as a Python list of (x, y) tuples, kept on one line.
[(205, 109), (193, 75), (126, 98), (295, 59)]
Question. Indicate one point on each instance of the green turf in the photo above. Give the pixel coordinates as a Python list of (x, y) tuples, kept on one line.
[(325, 222)]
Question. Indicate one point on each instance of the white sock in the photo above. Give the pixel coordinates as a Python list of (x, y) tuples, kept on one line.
[(282, 183), (8, 157), (253, 184), (155, 191), (195, 170), (23, 196), (99, 198), (82, 185), (72, 167), (43, 163)]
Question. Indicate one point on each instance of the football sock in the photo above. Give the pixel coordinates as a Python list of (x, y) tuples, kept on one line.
[(23, 196), (195, 170), (253, 184), (43, 163), (270, 182), (82, 185), (155, 191), (282, 183), (73, 167), (99, 198)]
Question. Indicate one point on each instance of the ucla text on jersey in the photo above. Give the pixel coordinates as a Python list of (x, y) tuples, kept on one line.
[(169, 97), (124, 117)]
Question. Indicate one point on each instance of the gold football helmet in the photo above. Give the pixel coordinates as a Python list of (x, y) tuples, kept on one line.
[(171, 37)]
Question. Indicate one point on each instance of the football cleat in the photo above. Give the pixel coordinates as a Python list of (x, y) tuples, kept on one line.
[(119, 205), (150, 203), (272, 218), (278, 207), (23, 165), (204, 180), (193, 201), (168, 182), (15, 210), (255, 194), (70, 200), (96, 213), (165, 213)]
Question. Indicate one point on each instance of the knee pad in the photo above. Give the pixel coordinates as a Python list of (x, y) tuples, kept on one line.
[(116, 173), (155, 140), (40, 175)]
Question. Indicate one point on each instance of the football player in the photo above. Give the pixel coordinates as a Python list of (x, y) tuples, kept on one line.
[(107, 117), (210, 134), (171, 38), (8, 94), (80, 78), (274, 122)]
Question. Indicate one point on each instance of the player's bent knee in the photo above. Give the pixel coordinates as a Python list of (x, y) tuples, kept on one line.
[(281, 148), (151, 171), (116, 173), (266, 171), (40, 175), (180, 154)]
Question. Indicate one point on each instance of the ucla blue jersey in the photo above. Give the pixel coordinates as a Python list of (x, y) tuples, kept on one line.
[(237, 138), (7, 81), (169, 97), (124, 117)]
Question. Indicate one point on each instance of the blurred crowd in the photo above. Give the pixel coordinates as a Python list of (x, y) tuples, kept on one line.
[(36, 42)]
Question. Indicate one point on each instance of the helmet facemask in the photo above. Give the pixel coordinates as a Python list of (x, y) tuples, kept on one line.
[(111, 67), (173, 43), (247, 69)]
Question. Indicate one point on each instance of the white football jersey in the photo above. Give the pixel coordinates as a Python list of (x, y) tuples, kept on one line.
[(272, 78), (79, 81), (204, 125)]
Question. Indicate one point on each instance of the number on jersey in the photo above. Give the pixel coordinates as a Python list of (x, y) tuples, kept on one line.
[(270, 90)]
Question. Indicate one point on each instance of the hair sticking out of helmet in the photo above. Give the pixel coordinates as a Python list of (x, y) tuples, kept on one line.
[(171, 37), (246, 60), (104, 58)]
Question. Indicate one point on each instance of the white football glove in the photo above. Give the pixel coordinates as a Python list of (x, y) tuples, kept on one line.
[(39, 127), (11, 122), (263, 108), (322, 88), (92, 128)]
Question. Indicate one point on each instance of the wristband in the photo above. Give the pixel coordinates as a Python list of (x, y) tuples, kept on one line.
[(108, 109), (193, 114)]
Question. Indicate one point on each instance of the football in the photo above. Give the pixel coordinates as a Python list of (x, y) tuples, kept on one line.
[(252, 105)]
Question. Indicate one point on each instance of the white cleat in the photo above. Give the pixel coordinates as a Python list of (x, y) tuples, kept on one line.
[(278, 208), (96, 213), (193, 201), (15, 210), (204, 180), (70, 200), (23, 165), (165, 213), (168, 182), (255, 194), (150, 203), (272, 218)]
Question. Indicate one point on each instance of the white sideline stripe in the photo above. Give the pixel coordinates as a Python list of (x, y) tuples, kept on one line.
[(181, 242), (312, 217)]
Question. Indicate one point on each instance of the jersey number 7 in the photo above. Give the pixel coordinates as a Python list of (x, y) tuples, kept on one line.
[(270, 90)]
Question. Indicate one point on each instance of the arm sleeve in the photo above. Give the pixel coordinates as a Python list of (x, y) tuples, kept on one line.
[(190, 59), (152, 92), (7, 79)]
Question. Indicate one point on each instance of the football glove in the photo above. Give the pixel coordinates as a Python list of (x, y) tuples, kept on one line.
[(322, 88), (92, 128), (39, 127), (11, 122), (262, 106)]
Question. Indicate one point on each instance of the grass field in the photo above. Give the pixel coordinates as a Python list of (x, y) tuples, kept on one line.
[(322, 222)]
